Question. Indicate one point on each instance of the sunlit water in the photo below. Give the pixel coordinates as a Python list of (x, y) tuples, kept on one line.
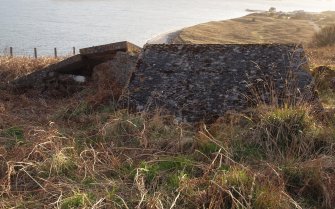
[(45, 24)]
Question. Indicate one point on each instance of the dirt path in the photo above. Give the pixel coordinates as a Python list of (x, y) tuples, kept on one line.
[(316, 27)]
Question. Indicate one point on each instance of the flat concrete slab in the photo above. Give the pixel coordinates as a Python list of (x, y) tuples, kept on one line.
[(110, 48), (69, 65), (202, 82), (103, 53)]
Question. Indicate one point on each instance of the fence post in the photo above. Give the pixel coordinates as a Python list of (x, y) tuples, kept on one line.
[(74, 50), (11, 51), (35, 53), (55, 50)]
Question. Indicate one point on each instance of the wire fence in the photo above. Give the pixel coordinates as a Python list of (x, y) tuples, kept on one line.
[(10, 51)]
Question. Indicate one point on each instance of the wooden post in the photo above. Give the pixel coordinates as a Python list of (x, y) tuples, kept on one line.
[(55, 50), (74, 50), (11, 51), (35, 53)]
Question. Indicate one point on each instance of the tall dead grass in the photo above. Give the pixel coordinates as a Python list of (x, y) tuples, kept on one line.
[(70, 153), (321, 55), (325, 37), (13, 67), (280, 159)]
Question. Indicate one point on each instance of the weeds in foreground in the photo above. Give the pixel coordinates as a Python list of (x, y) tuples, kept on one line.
[(139, 162), (72, 154), (13, 67)]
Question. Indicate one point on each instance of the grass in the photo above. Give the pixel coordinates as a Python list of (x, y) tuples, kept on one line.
[(258, 28), (325, 37), (254, 28), (21, 66), (75, 152)]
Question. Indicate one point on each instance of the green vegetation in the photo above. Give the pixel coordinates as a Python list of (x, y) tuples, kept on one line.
[(75, 152), (273, 158), (14, 136)]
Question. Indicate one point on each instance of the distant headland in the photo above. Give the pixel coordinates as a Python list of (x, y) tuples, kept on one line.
[(258, 27)]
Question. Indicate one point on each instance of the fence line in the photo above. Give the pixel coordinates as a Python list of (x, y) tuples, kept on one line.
[(11, 52)]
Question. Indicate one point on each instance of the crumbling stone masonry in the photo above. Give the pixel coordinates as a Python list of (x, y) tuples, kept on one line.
[(202, 82)]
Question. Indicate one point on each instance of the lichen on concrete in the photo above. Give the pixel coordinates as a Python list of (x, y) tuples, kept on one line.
[(202, 82)]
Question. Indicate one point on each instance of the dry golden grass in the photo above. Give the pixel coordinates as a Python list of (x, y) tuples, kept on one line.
[(257, 28), (321, 56), (250, 29), (13, 67), (81, 152), (75, 152)]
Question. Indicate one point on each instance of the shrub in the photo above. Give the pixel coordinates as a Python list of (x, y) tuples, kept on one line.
[(283, 131), (325, 37)]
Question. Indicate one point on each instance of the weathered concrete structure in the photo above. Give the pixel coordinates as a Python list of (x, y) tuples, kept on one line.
[(111, 49), (194, 82), (59, 75), (103, 53), (113, 76), (202, 82)]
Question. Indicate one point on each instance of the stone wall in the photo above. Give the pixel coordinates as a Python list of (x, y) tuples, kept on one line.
[(202, 82)]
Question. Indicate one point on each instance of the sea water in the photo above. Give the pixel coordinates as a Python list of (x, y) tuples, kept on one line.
[(45, 24)]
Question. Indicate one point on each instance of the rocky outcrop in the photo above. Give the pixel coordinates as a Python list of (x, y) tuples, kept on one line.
[(202, 82), (113, 75)]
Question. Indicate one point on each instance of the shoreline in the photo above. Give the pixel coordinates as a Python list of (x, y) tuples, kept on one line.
[(263, 27), (170, 36), (165, 38)]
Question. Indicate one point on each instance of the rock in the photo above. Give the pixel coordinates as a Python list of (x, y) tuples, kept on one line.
[(202, 82), (114, 75), (323, 70), (324, 77)]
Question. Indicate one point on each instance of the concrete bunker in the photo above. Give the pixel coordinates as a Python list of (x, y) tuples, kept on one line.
[(202, 82), (81, 67), (195, 82)]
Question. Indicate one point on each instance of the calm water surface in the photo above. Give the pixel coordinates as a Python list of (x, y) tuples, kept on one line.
[(45, 24)]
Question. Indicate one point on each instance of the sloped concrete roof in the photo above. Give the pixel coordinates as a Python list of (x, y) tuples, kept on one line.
[(202, 82)]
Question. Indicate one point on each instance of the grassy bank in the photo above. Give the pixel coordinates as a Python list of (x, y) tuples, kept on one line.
[(258, 28), (13, 67), (80, 152)]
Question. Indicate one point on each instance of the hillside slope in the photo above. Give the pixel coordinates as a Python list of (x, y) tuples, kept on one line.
[(258, 28)]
